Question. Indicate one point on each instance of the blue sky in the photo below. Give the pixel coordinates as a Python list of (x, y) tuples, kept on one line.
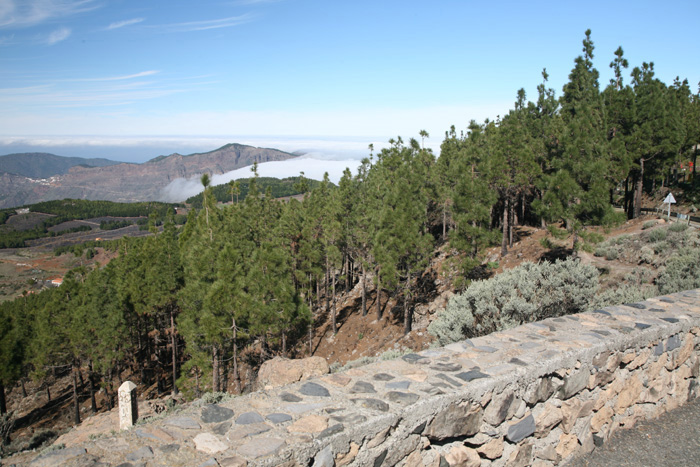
[(315, 75)]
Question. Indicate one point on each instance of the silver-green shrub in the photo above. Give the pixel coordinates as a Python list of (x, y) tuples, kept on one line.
[(529, 292), (682, 272)]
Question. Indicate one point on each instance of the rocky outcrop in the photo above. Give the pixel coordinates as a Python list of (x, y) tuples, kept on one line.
[(281, 371)]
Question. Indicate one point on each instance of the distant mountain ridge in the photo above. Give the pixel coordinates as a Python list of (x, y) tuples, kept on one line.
[(127, 182), (45, 165)]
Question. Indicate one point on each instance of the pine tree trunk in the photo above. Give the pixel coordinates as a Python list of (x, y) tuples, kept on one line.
[(523, 201), (3, 401), (328, 280), (364, 292), (173, 345), (504, 237), (379, 295), (215, 368), (444, 220), (407, 315), (91, 383), (513, 221), (347, 273), (48, 393), (76, 404), (638, 190), (236, 375), (333, 323)]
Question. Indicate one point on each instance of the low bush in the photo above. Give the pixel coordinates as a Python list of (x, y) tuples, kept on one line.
[(682, 273), (529, 292), (657, 235), (678, 227)]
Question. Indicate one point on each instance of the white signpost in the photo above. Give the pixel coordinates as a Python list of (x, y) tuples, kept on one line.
[(669, 200)]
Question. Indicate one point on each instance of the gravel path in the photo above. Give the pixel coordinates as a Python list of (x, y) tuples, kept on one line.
[(671, 440)]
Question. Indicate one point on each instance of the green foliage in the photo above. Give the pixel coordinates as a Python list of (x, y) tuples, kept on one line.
[(559, 234), (527, 293), (648, 225), (278, 188)]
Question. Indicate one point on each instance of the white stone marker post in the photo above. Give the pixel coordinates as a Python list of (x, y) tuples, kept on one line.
[(128, 406)]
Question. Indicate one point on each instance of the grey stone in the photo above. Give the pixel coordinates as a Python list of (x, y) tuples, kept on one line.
[(398, 385), (415, 358), (373, 404), (523, 457), (186, 423), (598, 441), (670, 320), (666, 300), (402, 398), (521, 430), (214, 413), (539, 391), (354, 419), (497, 409), (486, 348), (278, 417), (442, 366), (642, 325), (57, 457), (639, 306), (221, 428), (314, 390), (211, 462), (657, 310), (517, 361), (448, 379), (144, 452), (602, 332), (248, 418), (602, 312), (259, 447), (574, 383), (471, 375), (331, 430), (673, 343), (324, 458), (379, 460), (362, 387), (287, 397), (141, 433), (658, 349), (383, 377), (454, 421), (168, 448)]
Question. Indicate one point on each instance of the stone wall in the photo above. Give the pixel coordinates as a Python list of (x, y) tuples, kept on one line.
[(537, 394)]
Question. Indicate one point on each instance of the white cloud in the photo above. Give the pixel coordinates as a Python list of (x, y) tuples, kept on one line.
[(58, 35), (128, 22), (119, 78), (180, 189), (25, 13), (207, 24)]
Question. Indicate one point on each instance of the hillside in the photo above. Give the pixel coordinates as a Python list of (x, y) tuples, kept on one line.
[(124, 182), (45, 165)]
